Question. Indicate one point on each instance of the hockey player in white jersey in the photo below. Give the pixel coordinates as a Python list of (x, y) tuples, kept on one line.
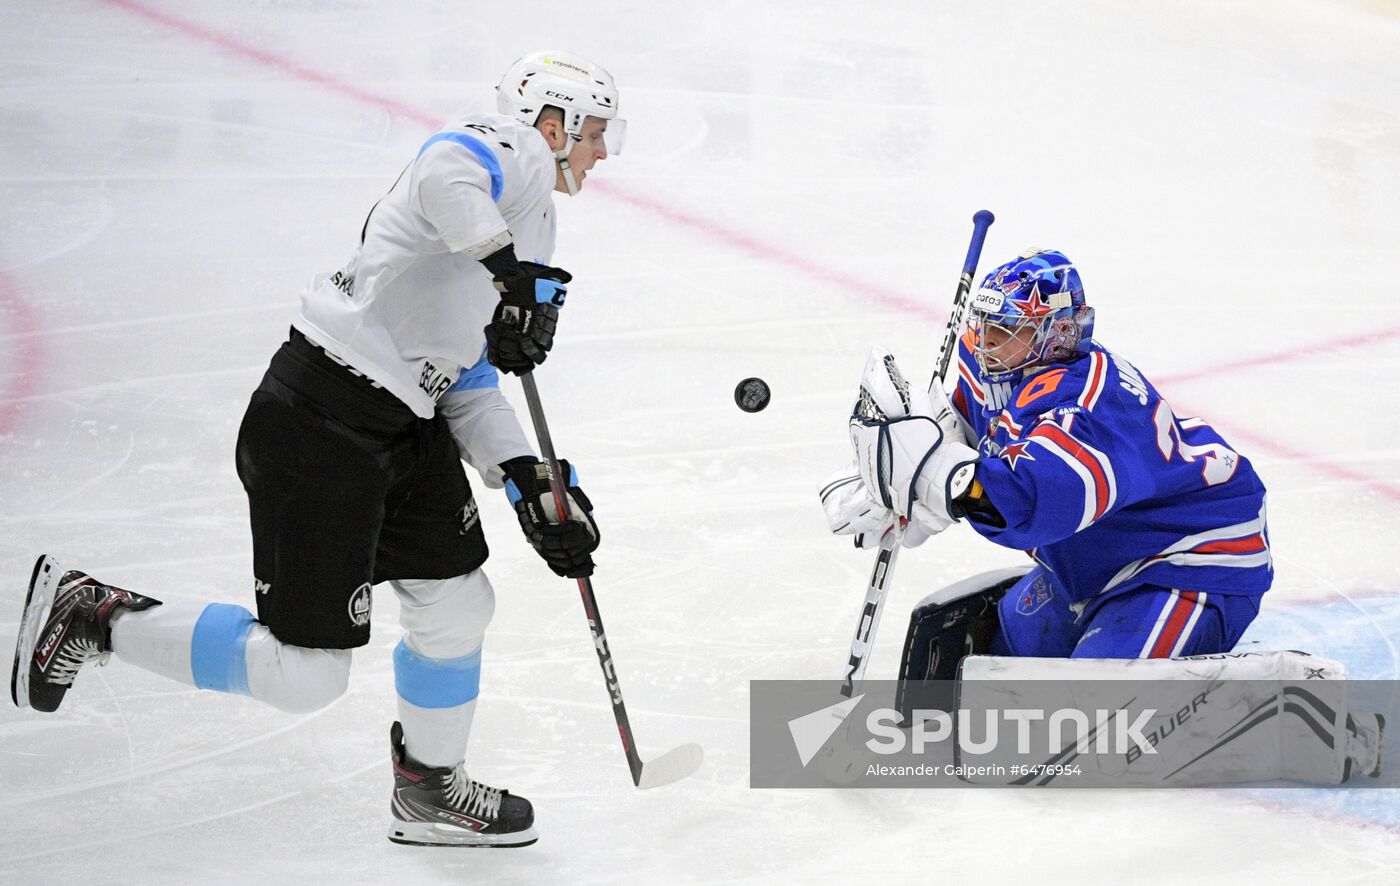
[(351, 454)]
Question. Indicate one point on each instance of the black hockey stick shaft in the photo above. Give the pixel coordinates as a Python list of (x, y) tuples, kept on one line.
[(585, 586), (892, 540)]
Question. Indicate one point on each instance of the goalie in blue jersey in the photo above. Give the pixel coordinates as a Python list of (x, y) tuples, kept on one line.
[(1147, 529)]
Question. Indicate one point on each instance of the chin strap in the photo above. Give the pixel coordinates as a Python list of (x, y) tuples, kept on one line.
[(562, 158)]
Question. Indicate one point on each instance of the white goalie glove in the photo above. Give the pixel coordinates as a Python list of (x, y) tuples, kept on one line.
[(909, 449), (852, 510)]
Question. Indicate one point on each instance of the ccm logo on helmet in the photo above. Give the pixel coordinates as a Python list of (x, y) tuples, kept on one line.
[(559, 95)]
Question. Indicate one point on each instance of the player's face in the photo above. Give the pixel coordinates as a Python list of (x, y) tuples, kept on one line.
[(588, 150), (1005, 348)]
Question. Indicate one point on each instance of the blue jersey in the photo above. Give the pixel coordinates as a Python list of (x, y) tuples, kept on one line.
[(1103, 485)]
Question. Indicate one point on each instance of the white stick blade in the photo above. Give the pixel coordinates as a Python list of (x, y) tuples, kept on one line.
[(671, 766)]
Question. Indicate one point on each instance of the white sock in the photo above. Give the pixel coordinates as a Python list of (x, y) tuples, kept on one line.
[(437, 700), (436, 736), (158, 639), (220, 646)]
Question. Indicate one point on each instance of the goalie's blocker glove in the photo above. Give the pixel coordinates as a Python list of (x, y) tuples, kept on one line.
[(521, 330), (565, 547)]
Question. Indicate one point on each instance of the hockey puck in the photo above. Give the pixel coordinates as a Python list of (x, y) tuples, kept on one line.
[(752, 394)]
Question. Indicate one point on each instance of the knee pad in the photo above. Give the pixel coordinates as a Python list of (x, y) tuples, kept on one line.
[(295, 679), (945, 626), (446, 618)]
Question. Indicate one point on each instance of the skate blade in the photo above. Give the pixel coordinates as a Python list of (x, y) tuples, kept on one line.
[(37, 604), (426, 833), (671, 766)]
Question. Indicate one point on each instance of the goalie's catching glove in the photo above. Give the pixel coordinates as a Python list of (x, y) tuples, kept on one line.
[(564, 546)]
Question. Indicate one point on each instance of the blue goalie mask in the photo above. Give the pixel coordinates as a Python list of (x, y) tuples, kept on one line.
[(1030, 311)]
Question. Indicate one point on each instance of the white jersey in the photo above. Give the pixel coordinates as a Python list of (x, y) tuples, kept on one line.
[(410, 307)]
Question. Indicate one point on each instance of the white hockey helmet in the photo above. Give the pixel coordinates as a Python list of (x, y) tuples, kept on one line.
[(568, 82)]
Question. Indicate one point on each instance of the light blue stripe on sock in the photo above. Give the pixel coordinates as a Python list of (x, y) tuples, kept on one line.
[(219, 648), (436, 682)]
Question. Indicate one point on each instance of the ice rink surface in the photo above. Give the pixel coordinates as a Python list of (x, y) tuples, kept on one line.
[(797, 187)]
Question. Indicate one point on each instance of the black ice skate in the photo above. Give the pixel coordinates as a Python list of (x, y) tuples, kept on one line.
[(67, 622), (444, 807)]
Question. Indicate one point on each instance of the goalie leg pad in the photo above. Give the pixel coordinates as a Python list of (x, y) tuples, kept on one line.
[(1203, 720), (948, 624)]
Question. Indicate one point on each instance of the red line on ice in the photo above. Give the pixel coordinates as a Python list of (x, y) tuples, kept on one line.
[(1321, 465), (1325, 347), (263, 57)]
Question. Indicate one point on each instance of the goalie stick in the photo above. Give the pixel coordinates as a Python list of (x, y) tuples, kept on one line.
[(893, 538), (676, 763)]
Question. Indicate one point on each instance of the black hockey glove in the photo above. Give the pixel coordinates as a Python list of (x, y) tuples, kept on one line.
[(565, 547), (521, 331)]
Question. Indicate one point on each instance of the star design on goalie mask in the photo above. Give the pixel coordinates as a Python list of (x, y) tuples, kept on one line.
[(1314, 674), (1034, 304), (1014, 452)]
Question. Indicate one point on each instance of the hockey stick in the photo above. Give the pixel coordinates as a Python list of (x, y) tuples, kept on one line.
[(676, 763), (893, 538)]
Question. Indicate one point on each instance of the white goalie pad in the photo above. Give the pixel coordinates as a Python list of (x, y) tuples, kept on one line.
[(1271, 665), (1204, 720)]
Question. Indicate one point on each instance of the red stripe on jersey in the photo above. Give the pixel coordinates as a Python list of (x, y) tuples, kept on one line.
[(1098, 371), (1176, 622), (960, 403), (1057, 435), (971, 382), (1004, 419), (1251, 545)]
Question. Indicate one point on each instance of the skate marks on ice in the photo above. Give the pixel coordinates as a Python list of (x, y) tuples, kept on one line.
[(1355, 629)]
